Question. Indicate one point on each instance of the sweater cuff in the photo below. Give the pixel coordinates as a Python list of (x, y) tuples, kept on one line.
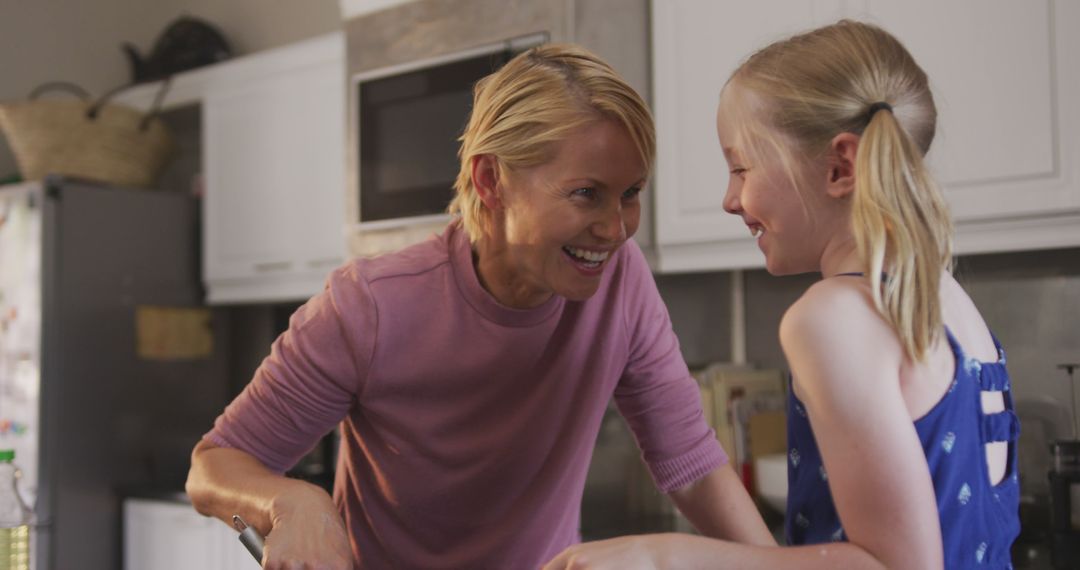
[(219, 440), (674, 474)]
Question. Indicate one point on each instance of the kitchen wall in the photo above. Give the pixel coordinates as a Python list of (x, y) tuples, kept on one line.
[(79, 41), (1032, 301)]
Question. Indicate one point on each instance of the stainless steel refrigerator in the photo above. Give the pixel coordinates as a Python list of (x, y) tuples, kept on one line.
[(90, 417)]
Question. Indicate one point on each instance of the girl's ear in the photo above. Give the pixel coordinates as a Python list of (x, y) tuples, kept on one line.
[(485, 179), (841, 173)]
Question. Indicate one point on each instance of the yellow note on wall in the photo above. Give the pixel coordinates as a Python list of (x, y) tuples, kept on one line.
[(173, 333)]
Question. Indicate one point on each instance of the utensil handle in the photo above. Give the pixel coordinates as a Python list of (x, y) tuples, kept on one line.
[(253, 541), (250, 538)]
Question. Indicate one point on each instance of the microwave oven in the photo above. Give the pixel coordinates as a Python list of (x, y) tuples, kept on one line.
[(407, 120)]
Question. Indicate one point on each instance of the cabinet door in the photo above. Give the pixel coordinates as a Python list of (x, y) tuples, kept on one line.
[(274, 156), (696, 46), (1006, 150)]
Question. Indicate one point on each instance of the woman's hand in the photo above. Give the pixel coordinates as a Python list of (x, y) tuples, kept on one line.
[(641, 552), (307, 533), (301, 523)]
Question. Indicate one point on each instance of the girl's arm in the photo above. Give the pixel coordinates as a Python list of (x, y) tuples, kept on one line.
[(685, 551), (846, 363)]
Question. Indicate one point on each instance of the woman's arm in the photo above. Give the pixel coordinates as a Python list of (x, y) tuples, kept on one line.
[(300, 392), (719, 507), (661, 402), (302, 523)]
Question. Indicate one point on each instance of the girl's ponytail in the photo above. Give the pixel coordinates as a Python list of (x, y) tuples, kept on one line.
[(903, 231)]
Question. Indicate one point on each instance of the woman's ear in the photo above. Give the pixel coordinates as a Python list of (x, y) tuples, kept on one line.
[(841, 173), (485, 179)]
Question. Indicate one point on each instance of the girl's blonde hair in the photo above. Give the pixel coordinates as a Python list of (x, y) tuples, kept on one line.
[(533, 102), (813, 86)]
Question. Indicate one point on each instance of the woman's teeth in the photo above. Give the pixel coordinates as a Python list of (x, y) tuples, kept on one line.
[(756, 231), (589, 257)]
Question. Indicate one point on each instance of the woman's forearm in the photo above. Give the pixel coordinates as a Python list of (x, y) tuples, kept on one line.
[(719, 507), (224, 482)]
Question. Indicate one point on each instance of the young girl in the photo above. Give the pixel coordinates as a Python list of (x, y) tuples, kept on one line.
[(900, 423)]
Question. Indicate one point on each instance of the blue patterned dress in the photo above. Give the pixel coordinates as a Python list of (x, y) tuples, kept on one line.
[(979, 520)]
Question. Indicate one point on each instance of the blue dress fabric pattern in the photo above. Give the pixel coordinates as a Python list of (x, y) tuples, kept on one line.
[(979, 520)]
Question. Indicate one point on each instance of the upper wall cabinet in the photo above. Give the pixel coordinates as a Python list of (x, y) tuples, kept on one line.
[(274, 159), (1003, 73)]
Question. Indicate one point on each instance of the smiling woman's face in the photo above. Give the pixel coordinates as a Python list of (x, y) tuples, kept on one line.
[(560, 222)]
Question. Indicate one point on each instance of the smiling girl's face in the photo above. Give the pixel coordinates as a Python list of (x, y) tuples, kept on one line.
[(783, 204)]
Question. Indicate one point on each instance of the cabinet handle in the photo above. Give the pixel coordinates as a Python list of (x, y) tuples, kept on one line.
[(273, 266)]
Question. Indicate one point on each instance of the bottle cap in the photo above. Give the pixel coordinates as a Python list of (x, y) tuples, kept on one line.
[(7, 455)]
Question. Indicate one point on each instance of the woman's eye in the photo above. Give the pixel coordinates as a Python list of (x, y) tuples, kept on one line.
[(631, 193), (738, 171), (583, 192)]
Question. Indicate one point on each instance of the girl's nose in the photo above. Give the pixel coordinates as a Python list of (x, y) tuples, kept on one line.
[(732, 205)]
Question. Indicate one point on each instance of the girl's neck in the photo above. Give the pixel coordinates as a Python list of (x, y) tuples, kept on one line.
[(840, 256)]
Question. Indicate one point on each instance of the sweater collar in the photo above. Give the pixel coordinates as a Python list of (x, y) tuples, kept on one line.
[(480, 299)]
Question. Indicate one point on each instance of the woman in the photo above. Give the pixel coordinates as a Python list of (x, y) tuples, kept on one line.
[(470, 373), (899, 419)]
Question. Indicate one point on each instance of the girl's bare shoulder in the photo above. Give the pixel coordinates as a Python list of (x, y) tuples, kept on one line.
[(833, 302), (838, 314)]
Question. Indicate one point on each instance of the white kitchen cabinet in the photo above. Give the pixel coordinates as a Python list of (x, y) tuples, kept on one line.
[(273, 155), (162, 535), (1007, 150), (274, 161)]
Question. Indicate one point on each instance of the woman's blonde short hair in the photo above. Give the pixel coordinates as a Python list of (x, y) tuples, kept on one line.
[(524, 109), (791, 98)]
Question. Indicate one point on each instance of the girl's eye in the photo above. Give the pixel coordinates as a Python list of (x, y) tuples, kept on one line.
[(631, 193)]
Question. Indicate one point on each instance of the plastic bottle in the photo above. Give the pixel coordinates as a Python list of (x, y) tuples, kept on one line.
[(15, 517)]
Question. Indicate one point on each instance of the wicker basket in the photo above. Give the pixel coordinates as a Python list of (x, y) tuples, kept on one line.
[(108, 143)]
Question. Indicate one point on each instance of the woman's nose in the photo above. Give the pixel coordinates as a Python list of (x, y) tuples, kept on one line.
[(611, 226)]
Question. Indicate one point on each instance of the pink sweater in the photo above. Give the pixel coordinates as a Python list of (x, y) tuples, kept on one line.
[(467, 427)]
